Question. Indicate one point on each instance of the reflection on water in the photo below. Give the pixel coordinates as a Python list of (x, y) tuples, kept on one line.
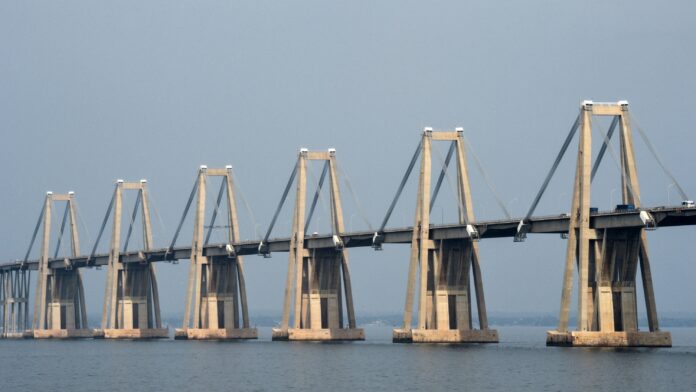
[(520, 362)]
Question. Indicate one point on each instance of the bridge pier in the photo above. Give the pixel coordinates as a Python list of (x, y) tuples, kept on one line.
[(319, 278), (444, 266), (131, 299), (216, 284), (608, 259), (59, 306), (14, 303)]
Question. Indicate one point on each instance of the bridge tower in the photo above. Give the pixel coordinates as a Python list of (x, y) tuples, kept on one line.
[(14, 302), (607, 259), (59, 307), (444, 265), (316, 276), (131, 300), (216, 284)]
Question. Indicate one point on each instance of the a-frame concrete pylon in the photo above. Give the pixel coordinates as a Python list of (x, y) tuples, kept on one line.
[(59, 307), (131, 300), (316, 276), (608, 259), (216, 285), (444, 291)]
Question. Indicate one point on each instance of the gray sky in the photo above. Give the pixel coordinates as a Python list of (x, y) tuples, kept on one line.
[(93, 91)]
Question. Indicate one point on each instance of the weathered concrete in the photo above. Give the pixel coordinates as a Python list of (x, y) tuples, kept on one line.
[(215, 334), (18, 335), (131, 299), (144, 333), (608, 339), (216, 293), (59, 307), (607, 260), (63, 333), (444, 336), (440, 270), (316, 277), (326, 334)]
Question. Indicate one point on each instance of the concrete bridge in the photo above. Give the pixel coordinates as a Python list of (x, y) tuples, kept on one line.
[(607, 249)]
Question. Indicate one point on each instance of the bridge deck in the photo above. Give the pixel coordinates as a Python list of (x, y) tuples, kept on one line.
[(663, 216)]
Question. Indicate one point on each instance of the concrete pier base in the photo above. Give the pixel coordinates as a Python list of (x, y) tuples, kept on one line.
[(139, 333), (326, 334), (81, 333), (18, 335), (215, 334), (444, 336), (608, 339)]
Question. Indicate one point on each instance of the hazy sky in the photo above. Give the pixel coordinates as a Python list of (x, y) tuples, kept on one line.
[(92, 91)]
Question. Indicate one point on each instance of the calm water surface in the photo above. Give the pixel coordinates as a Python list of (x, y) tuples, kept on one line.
[(520, 362)]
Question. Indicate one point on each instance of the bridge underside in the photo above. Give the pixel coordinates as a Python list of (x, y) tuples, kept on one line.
[(135, 304), (219, 298), (62, 309), (321, 301), (611, 310), (448, 308)]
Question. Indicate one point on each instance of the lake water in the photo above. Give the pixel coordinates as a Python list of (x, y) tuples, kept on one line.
[(520, 362)]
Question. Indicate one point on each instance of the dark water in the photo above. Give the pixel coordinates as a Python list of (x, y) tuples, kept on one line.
[(520, 362)]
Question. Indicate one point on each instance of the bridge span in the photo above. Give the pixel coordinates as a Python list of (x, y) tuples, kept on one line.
[(444, 284), (664, 216)]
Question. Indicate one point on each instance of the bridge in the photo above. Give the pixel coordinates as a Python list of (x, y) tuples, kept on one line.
[(606, 248)]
